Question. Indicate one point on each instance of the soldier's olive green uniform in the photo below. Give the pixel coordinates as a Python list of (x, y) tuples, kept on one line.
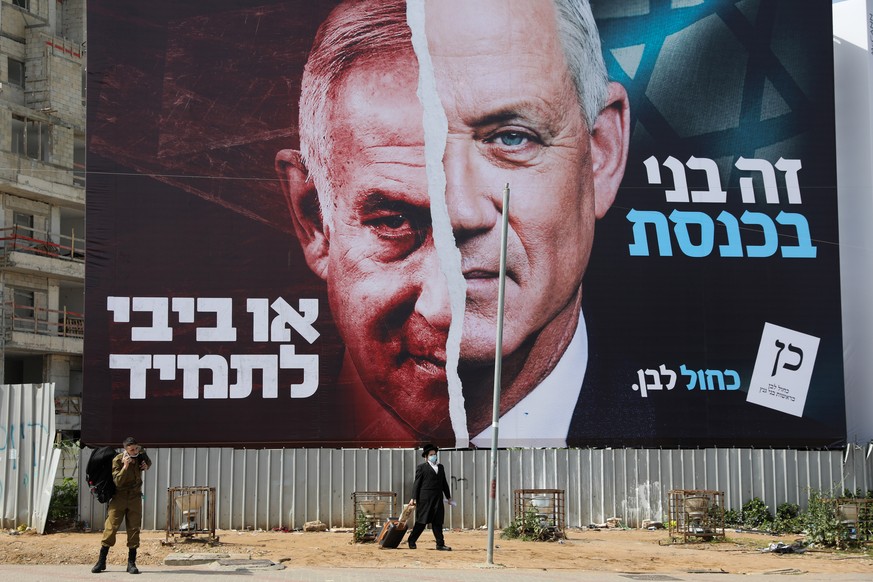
[(126, 504)]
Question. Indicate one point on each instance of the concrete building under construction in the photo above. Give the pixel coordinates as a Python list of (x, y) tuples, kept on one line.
[(42, 198)]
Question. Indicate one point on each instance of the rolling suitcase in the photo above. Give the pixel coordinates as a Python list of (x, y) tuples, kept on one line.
[(392, 534), (394, 529)]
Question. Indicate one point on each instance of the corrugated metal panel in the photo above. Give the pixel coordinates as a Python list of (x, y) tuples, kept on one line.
[(28, 460), (265, 489)]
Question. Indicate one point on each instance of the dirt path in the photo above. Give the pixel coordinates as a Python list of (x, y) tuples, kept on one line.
[(604, 550)]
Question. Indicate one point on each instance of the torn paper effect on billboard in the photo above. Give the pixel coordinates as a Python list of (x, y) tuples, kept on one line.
[(293, 222), (435, 135)]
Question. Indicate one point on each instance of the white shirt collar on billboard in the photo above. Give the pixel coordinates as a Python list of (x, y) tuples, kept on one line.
[(542, 418)]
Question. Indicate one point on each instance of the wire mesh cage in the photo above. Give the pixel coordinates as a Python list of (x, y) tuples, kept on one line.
[(696, 513), (191, 513), (541, 510), (372, 509), (856, 515)]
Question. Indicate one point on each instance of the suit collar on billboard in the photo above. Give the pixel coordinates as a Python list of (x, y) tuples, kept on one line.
[(542, 418)]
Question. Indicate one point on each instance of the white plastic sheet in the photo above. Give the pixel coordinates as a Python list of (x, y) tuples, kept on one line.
[(28, 460)]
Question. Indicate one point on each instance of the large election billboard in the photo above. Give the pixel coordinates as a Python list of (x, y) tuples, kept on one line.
[(295, 216)]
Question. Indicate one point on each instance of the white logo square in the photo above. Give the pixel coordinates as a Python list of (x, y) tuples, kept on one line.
[(783, 369)]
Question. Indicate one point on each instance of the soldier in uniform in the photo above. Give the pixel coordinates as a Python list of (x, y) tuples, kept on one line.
[(126, 504), (427, 496)]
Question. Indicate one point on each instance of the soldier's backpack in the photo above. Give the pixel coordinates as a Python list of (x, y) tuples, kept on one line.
[(99, 474)]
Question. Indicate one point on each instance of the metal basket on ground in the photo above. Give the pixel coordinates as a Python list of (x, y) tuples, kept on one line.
[(371, 510), (541, 510), (696, 513), (191, 514), (856, 515)]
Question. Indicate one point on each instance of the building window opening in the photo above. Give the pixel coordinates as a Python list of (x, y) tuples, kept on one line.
[(30, 138), (23, 223), (16, 72), (29, 311), (24, 304)]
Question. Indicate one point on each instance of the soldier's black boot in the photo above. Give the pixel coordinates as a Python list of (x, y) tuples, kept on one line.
[(131, 561), (101, 561)]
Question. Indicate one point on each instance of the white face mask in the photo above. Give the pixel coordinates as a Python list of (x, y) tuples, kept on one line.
[(432, 459)]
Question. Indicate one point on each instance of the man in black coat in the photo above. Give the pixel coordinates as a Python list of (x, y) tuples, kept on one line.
[(427, 496)]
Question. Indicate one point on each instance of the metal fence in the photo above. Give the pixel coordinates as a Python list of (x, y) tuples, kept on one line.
[(269, 488)]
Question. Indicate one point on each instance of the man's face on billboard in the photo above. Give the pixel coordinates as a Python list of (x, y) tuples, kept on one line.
[(513, 117), (383, 275)]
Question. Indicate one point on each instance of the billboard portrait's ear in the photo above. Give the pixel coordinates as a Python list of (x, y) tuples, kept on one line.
[(609, 145), (302, 199)]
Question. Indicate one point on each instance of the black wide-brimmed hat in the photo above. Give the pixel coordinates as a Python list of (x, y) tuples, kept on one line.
[(427, 448)]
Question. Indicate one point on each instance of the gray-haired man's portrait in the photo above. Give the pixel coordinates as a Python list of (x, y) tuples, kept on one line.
[(397, 231)]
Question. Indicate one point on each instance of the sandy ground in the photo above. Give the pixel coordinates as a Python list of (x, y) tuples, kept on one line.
[(600, 550)]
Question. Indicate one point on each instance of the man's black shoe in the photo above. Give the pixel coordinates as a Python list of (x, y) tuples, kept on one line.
[(444, 548), (412, 546)]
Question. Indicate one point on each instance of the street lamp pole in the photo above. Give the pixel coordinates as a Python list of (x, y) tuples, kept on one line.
[(498, 365)]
